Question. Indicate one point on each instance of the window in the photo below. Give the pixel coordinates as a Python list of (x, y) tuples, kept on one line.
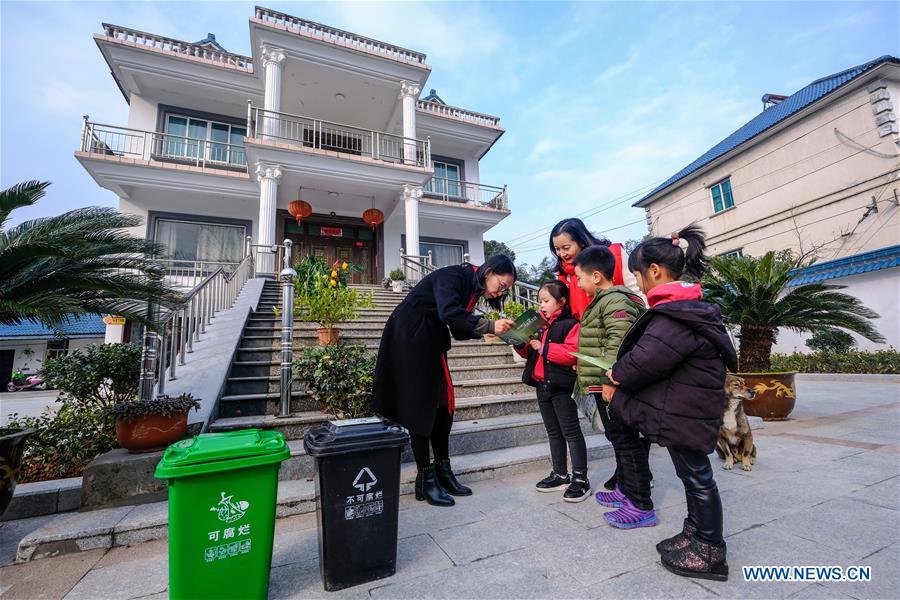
[(446, 180), (721, 196), (192, 138), (190, 240), (733, 253), (442, 255), (57, 348)]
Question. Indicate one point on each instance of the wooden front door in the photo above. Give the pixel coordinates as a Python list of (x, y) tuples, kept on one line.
[(354, 244)]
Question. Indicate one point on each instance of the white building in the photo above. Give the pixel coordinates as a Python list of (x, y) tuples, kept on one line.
[(818, 170), (218, 145)]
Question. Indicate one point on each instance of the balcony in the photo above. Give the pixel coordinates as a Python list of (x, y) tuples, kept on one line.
[(181, 49), (307, 133), (110, 140), (465, 192), (459, 114)]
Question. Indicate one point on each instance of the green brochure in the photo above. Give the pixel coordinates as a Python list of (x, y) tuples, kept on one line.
[(591, 360), (526, 327)]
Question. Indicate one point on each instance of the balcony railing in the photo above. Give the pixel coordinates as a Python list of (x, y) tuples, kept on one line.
[(461, 114), (111, 140), (159, 42), (347, 139), (476, 194), (345, 38)]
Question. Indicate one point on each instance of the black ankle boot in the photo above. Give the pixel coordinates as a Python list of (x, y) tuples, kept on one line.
[(448, 480), (698, 559), (610, 483), (677, 542), (428, 488)]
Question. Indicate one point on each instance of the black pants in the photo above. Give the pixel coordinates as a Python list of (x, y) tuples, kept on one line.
[(703, 502), (560, 415), (440, 439), (632, 458)]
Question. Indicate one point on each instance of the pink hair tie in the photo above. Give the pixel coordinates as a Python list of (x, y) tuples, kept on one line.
[(675, 240)]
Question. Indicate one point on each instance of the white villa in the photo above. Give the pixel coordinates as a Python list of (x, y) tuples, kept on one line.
[(218, 145)]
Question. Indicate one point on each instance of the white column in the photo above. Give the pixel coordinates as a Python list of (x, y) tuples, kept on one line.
[(411, 195), (268, 176), (409, 93), (273, 59)]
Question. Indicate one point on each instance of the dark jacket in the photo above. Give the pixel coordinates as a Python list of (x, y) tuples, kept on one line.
[(671, 374), (561, 377), (410, 380)]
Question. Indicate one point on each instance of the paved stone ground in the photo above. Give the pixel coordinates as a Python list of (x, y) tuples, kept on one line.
[(824, 491), (26, 404)]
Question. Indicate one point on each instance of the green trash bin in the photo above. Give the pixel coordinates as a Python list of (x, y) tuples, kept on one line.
[(222, 496)]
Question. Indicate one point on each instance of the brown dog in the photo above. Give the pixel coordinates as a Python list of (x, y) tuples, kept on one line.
[(735, 437)]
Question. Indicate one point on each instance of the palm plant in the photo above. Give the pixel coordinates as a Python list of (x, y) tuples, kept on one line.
[(82, 261), (753, 293)]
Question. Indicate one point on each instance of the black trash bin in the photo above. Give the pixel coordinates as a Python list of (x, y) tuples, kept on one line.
[(358, 479)]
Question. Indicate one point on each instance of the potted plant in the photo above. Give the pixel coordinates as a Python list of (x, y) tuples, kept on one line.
[(397, 278), (756, 297), (331, 301), (147, 425), (513, 310), (12, 447), (339, 377)]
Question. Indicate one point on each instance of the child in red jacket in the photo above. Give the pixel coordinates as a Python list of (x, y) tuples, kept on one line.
[(549, 369)]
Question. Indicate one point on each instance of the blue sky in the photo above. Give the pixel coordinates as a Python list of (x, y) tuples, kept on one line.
[(600, 100)]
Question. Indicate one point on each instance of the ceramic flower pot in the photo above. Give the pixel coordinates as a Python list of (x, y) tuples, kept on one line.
[(397, 286), (12, 447), (147, 433), (776, 395), (328, 336)]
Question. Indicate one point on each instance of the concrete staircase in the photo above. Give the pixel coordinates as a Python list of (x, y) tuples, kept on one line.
[(496, 413)]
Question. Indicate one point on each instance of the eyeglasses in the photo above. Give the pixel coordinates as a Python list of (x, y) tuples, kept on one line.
[(503, 288)]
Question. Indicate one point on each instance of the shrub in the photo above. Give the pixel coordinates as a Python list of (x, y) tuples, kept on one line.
[(339, 377), (65, 442), (163, 406), (831, 340), (310, 271), (878, 362), (397, 275), (96, 375), (513, 310)]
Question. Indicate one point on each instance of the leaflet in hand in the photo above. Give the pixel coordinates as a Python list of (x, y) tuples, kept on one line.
[(593, 361), (526, 326)]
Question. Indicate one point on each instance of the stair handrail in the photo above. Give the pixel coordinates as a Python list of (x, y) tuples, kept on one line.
[(179, 327)]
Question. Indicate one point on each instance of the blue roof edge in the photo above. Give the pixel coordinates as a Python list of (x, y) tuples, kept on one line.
[(864, 262), (775, 115)]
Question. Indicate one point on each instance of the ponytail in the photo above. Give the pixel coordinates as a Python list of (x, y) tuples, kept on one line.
[(682, 253)]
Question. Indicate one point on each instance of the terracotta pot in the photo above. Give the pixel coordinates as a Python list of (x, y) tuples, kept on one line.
[(328, 336), (775, 395), (151, 432), (12, 446)]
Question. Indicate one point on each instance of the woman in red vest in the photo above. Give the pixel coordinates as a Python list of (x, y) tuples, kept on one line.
[(567, 239)]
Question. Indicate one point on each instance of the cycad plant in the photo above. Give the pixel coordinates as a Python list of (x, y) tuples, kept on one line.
[(753, 293), (82, 261)]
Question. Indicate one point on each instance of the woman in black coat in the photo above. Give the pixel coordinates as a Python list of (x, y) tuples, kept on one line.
[(412, 380)]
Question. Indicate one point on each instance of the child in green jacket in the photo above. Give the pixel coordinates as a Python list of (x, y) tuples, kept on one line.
[(612, 311)]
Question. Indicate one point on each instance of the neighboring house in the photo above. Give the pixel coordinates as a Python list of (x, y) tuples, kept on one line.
[(815, 172), (26, 345), (217, 146)]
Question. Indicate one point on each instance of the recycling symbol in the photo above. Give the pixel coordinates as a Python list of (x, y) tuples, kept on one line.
[(365, 480)]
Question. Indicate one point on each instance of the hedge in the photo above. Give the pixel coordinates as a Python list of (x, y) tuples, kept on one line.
[(856, 361)]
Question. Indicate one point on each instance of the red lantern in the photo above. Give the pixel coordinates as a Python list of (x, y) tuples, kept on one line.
[(299, 209), (373, 217)]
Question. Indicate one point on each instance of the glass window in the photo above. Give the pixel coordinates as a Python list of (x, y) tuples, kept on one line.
[(218, 149), (57, 348), (176, 127), (722, 198), (446, 179), (734, 253), (187, 138), (189, 240), (442, 255)]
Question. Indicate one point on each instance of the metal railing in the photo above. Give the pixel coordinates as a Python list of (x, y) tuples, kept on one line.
[(180, 273), (476, 194), (461, 114), (111, 140), (178, 328), (344, 38), (336, 137), (267, 258), (417, 267), (142, 39)]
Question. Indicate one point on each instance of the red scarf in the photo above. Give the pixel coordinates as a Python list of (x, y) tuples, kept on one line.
[(672, 291)]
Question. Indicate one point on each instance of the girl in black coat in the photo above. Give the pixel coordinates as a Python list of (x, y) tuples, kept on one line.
[(412, 380), (670, 374)]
